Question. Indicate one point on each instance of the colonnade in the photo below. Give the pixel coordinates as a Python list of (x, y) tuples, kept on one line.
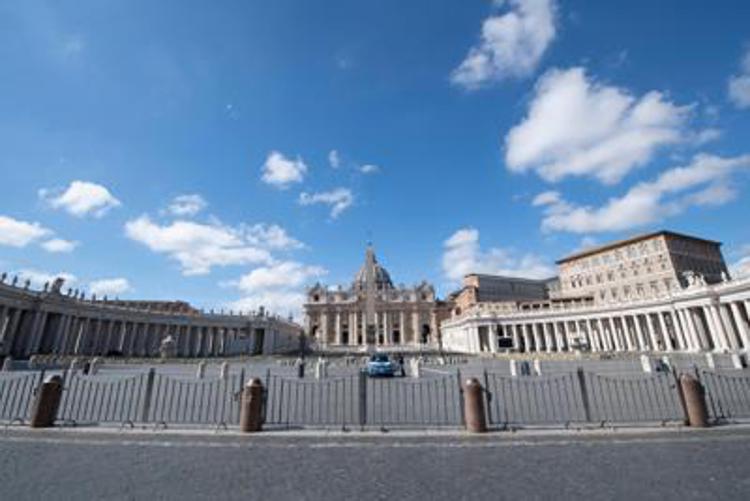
[(47, 323), (716, 318)]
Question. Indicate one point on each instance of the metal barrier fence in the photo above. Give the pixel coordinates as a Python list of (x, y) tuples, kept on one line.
[(298, 402), (103, 399), (727, 394), (361, 401), (579, 397), (637, 398), (17, 394), (538, 400), (356, 400), (401, 402), (190, 401)]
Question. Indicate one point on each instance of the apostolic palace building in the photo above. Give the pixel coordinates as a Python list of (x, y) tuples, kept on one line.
[(657, 292)]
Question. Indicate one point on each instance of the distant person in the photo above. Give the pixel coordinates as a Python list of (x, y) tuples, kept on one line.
[(401, 365)]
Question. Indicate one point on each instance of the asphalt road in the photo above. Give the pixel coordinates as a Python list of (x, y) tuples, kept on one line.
[(670, 465)]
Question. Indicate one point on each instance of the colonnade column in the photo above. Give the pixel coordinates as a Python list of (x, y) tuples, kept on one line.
[(741, 325)]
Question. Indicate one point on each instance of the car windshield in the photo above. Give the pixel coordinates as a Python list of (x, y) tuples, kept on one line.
[(379, 358)]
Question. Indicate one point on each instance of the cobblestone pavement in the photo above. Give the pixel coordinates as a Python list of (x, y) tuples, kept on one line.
[(681, 464)]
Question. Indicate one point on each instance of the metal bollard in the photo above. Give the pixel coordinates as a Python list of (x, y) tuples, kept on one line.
[(201, 370), (474, 407), (47, 401), (695, 401), (251, 419)]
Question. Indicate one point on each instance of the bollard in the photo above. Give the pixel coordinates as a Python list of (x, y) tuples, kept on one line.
[(513, 366), (251, 418), (537, 367), (201, 372), (710, 361), (695, 401), (8, 364), (47, 401), (474, 407), (94, 366), (224, 371), (646, 364)]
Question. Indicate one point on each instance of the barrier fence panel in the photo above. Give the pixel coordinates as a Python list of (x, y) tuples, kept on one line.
[(298, 402), (633, 398), (213, 401), (534, 400), (403, 402), (727, 393), (17, 395), (103, 399)]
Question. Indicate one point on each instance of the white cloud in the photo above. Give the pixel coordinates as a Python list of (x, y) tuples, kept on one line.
[(281, 172), (280, 302), (339, 199), (17, 233), (462, 255), (187, 205), (199, 247), (578, 127), (546, 198), (369, 169), (81, 199), (739, 85), (511, 45), (110, 287), (285, 274), (59, 245), (278, 287), (39, 278), (705, 181), (334, 159)]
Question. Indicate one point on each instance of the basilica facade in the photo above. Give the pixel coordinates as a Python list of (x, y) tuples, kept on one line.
[(373, 312)]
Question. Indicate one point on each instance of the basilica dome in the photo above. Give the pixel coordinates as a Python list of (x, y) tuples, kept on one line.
[(380, 275)]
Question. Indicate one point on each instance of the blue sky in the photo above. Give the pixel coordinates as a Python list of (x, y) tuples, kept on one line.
[(230, 153)]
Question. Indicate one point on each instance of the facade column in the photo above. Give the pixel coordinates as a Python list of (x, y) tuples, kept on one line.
[(526, 337), (516, 337), (741, 325), (728, 327), (547, 337), (681, 332), (558, 336), (538, 338), (687, 321), (694, 319), (664, 332), (323, 338), (593, 341), (387, 328), (415, 327), (566, 333), (639, 333), (338, 328), (714, 330), (606, 344), (353, 328), (612, 334), (402, 327), (626, 333), (652, 333)]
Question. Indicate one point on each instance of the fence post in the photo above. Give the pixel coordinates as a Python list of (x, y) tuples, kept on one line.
[(362, 399), (147, 395), (695, 401), (47, 402), (461, 403), (584, 394), (488, 395), (251, 418), (474, 402)]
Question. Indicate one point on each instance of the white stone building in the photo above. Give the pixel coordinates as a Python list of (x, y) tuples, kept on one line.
[(373, 312), (660, 292)]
